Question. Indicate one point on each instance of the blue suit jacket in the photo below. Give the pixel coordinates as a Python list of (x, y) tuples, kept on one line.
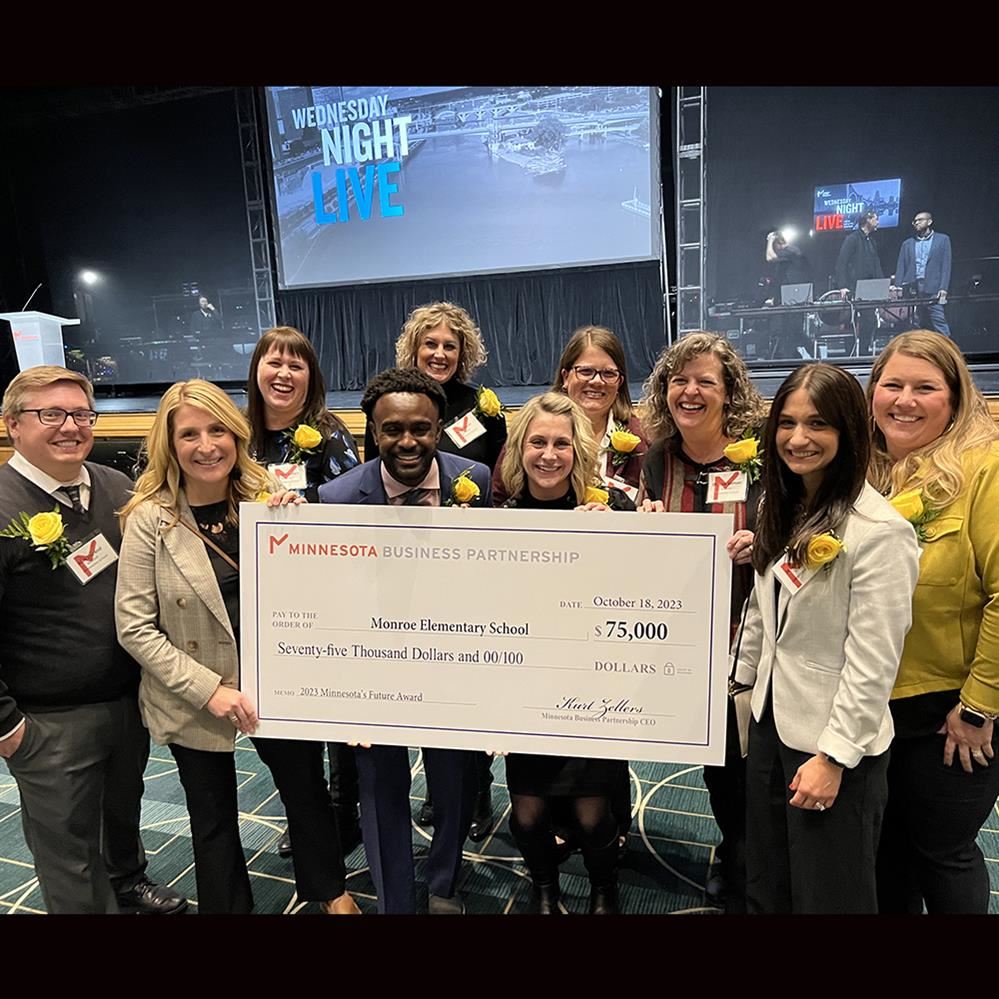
[(363, 484), (937, 266)]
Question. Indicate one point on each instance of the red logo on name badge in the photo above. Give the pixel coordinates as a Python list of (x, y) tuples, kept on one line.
[(460, 429), (83, 558), (721, 483), (277, 541), (787, 567), (285, 475)]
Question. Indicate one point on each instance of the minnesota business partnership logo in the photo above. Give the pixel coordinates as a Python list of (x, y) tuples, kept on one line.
[(276, 546)]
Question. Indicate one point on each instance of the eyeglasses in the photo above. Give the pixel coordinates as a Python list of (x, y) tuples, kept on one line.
[(588, 374), (57, 417), (915, 221)]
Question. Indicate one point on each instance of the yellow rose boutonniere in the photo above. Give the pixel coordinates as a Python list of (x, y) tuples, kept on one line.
[(823, 550), (45, 532), (303, 440), (487, 403), (745, 455), (622, 444), (910, 505), (596, 495), (463, 489)]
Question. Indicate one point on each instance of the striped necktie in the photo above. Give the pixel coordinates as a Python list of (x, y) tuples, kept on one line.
[(73, 492), (418, 497)]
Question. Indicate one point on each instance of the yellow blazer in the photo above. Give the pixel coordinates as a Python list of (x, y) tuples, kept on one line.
[(954, 639), (171, 618)]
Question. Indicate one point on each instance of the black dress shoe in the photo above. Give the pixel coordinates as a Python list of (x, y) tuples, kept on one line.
[(482, 817), (603, 901), (284, 844), (544, 900), (426, 816), (716, 888), (150, 899)]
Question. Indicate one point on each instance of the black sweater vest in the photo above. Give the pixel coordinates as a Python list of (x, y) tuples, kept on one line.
[(58, 644)]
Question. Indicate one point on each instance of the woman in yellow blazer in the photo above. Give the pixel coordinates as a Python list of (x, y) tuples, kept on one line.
[(936, 454), (178, 616)]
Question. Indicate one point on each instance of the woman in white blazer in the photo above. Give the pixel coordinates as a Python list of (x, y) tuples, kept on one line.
[(835, 568), (178, 616)]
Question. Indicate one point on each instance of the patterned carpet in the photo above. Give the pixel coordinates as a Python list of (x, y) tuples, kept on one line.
[(670, 847)]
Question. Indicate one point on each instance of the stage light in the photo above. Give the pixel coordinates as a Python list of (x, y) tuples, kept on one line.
[(89, 277), (789, 234)]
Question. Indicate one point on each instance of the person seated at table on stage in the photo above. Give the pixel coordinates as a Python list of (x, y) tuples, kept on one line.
[(593, 372), (444, 342), (936, 453), (551, 464), (701, 410), (405, 409), (293, 434), (820, 645), (178, 615)]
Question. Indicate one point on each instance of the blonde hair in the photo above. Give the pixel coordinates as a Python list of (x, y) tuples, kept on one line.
[(744, 410), (38, 377), (607, 341), (162, 473), (472, 353), (936, 467), (585, 447)]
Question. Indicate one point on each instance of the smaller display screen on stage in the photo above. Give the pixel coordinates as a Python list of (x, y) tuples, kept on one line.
[(392, 183), (838, 206)]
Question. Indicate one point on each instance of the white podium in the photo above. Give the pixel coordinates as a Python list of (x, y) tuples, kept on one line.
[(38, 337)]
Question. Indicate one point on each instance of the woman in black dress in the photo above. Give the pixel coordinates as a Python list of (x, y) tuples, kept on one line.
[(443, 341), (286, 393), (303, 445), (551, 464)]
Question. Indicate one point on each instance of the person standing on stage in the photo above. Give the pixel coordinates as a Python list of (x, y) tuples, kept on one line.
[(70, 729), (924, 267), (405, 410), (858, 258), (787, 264)]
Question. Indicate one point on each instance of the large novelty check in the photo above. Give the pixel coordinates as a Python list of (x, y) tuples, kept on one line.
[(571, 633)]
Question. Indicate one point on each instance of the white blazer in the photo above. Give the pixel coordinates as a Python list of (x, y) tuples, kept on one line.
[(830, 651)]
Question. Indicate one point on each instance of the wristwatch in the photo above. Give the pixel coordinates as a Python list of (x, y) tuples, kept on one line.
[(972, 716)]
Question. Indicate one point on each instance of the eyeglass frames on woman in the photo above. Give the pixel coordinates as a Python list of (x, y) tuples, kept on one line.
[(588, 374)]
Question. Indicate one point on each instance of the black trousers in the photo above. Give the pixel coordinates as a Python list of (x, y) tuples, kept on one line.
[(209, 781), (343, 777), (928, 847), (727, 792), (386, 823), (800, 861), (79, 777)]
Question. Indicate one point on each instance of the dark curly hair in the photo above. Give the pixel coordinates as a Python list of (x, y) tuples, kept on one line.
[(402, 380)]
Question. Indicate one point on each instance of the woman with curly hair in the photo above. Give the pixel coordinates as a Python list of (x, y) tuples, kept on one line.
[(936, 454), (699, 401), (443, 341)]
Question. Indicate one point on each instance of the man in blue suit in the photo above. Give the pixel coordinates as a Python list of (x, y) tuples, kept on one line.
[(405, 409), (924, 265)]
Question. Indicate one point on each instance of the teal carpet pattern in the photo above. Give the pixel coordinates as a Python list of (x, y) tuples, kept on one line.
[(671, 844)]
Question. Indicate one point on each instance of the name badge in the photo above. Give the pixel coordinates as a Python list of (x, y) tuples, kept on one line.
[(630, 491), (289, 475), (728, 487), (91, 558), (792, 577), (465, 430)]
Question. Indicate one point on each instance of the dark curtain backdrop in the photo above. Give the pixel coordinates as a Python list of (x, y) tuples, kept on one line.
[(525, 320)]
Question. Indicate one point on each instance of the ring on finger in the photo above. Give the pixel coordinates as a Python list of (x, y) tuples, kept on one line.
[(819, 807)]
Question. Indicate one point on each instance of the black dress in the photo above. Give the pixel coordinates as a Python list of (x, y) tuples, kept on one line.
[(563, 776), (334, 456), (461, 399)]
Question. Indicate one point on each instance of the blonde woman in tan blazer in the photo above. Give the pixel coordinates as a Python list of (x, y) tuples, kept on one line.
[(178, 616)]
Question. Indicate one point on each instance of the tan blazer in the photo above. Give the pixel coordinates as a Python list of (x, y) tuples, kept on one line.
[(830, 652), (171, 618)]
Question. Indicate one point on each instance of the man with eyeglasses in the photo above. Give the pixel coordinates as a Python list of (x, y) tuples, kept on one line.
[(924, 269), (70, 730)]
